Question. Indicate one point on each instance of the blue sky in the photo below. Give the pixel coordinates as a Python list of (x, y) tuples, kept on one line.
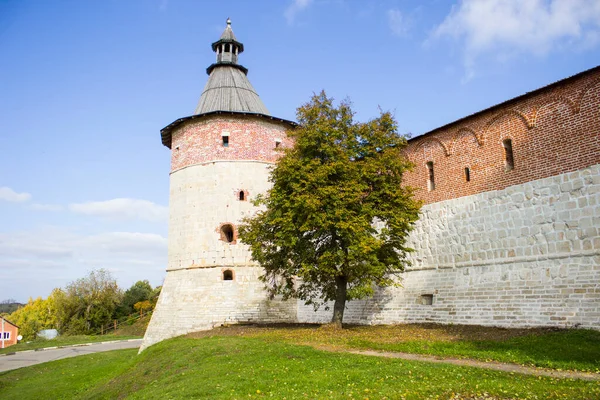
[(86, 86)]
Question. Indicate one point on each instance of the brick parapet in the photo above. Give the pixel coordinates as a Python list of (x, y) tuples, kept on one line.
[(200, 141), (553, 131)]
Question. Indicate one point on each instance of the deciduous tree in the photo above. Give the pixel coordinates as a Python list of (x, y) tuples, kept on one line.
[(335, 222), (139, 291), (88, 303)]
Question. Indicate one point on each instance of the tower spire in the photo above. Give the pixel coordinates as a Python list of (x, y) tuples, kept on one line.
[(228, 88), (227, 49)]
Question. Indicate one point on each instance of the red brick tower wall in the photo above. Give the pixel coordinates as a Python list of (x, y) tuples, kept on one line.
[(249, 139)]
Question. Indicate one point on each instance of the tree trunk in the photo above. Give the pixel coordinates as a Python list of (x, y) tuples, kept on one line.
[(341, 283)]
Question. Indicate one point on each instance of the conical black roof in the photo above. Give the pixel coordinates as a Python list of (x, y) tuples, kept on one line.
[(228, 87)]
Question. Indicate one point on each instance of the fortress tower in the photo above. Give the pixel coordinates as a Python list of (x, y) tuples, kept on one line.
[(509, 234), (220, 158)]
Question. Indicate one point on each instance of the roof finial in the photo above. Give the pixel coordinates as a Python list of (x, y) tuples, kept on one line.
[(228, 21)]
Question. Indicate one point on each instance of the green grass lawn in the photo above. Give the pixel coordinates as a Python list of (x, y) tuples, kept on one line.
[(576, 349), (569, 350), (236, 367), (63, 341)]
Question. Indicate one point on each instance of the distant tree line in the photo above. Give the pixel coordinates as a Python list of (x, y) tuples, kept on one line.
[(8, 306), (84, 306)]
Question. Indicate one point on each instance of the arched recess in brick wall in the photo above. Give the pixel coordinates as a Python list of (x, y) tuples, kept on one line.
[(428, 145), (588, 88), (588, 138), (503, 125), (467, 152), (464, 134), (553, 111), (552, 108)]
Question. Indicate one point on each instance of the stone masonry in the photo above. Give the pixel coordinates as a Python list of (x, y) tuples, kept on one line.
[(528, 255), (509, 234)]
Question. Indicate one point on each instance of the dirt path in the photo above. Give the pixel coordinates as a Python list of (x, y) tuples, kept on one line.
[(498, 366)]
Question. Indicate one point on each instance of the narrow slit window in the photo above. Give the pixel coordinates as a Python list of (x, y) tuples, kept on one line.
[(467, 174), (509, 160), (228, 275), (431, 177), (242, 195), (227, 233), (225, 141)]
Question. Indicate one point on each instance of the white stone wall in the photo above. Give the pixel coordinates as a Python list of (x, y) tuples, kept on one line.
[(203, 197), (528, 255), (199, 299)]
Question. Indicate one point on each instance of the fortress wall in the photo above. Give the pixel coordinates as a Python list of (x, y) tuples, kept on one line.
[(509, 247), (527, 255), (199, 299), (553, 130)]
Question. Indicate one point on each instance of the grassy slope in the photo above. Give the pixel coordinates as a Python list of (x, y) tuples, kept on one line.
[(242, 367), (63, 341), (138, 328), (569, 350), (566, 349)]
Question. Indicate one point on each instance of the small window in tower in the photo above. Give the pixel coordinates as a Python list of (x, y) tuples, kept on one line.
[(225, 141), (227, 233), (277, 143), (227, 48), (467, 174), (228, 275), (242, 195), (431, 179), (509, 161)]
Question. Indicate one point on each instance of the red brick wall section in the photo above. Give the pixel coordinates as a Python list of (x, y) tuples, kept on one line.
[(250, 138), (552, 132)]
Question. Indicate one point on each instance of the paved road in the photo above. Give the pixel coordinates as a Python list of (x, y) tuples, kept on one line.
[(27, 358)]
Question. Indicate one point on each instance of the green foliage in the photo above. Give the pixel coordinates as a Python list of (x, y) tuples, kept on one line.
[(142, 306), (83, 306), (87, 303), (244, 368), (139, 291), (36, 315), (337, 216)]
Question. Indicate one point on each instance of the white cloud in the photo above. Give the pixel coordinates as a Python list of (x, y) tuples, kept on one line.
[(123, 209), (34, 262), (398, 22), (131, 243), (507, 28), (8, 194), (294, 8), (45, 207)]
